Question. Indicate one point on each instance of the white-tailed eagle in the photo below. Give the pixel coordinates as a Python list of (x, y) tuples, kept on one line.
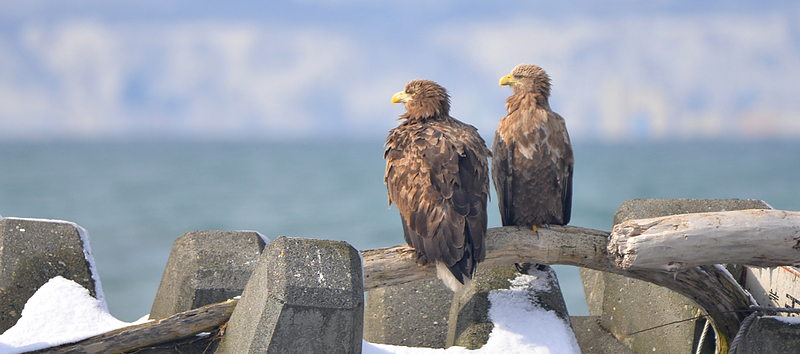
[(532, 159), (437, 175)]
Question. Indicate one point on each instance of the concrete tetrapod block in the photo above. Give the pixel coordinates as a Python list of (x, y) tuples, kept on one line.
[(469, 325), (594, 339), (305, 296), (32, 251), (628, 305), (771, 335), (206, 267), (653, 208), (413, 314)]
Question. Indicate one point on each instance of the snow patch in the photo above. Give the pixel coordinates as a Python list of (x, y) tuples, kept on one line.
[(788, 320), (60, 312), (519, 326)]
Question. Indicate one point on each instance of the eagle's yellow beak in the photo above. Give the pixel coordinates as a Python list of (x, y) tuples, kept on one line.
[(401, 96), (507, 80)]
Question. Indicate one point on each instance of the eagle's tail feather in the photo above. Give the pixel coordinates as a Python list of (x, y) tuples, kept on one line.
[(446, 275)]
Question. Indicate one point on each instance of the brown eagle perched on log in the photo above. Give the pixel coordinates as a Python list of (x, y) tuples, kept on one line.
[(437, 174), (532, 156)]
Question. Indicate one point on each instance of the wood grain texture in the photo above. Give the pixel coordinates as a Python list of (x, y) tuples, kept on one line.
[(181, 325), (763, 238)]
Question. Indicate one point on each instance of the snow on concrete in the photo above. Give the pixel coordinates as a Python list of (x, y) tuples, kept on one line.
[(87, 254), (790, 320), (61, 311), (519, 326)]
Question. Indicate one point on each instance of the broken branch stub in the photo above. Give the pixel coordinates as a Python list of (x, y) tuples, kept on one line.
[(755, 237)]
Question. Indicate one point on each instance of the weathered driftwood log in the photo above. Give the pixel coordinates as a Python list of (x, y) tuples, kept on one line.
[(763, 238), (710, 287), (178, 326), (567, 245)]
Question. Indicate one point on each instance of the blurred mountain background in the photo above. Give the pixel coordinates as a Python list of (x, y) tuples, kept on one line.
[(326, 69)]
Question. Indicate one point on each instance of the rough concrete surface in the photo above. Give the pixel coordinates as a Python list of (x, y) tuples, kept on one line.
[(593, 339), (413, 314), (206, 267), (593, 290), (32, 252), (771, 335), (652, 208), (305, 296), (630, 305)]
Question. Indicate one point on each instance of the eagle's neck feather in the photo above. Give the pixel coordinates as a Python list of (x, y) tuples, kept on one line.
[(527, 101), (416, 118)]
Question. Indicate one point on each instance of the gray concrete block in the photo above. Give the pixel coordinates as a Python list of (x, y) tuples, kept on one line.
[(630, 305), (653, 208), (593, 290), (469, 324), (305, 296), (593, 339), (206, 267), (33, 251), (413, 314), (771, 335)]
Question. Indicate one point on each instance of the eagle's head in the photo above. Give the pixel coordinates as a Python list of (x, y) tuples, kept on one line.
[(527, 78), (423, 99)]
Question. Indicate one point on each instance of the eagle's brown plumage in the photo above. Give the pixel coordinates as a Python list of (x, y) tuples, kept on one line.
[(532, 155), (438, 176)]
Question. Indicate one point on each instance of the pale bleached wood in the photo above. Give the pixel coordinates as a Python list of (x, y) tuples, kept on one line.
[(756, 237), (179, 326), (568, 245)]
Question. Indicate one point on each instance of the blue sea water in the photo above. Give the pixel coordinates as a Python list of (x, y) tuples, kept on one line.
[(136, 198)]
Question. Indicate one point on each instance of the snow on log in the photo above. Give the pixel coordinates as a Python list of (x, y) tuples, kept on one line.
[(756, 237)]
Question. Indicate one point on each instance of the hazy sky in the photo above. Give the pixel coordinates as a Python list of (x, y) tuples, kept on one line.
[(327, 69)]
